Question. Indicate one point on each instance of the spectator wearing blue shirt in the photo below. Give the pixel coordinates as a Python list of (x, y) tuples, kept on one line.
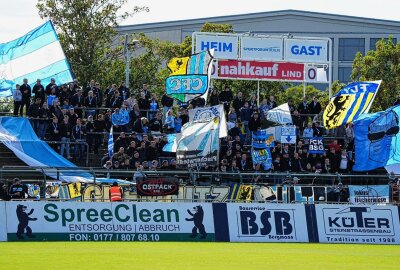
[(308, 132), (170, 122)]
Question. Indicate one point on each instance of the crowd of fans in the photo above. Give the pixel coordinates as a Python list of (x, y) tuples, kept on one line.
[(76, 117)]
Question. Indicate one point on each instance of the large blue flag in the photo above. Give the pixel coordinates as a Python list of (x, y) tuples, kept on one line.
[(36, 55), (376, 139), (349, 103), (263, 157)]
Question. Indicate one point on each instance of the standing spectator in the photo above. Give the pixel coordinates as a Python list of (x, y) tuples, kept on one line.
[(253, 101), (44, 115), (38, 91), (167, 103), (115, 100), (78, 101), (65, 133), (255, 122), (264, 108), (238, 102), (34, 113), (146, 91), (226, 98), (155, 124), (144, 104), (153, 106), (54, 130), (184, 116), (78, 135), (124, 91), (304, 111), (90, 87), (214, 97), (272, 103), (297, 164), (98, 94), (90, 104), (52, 86), (65, 94), (308, 132), (90, 137), (152, 151), (292, 108), (17, 96), (26, 95), (140, 125), (99, 127), (315, 108), (244, 164), (55, 110), (120, 156), (169, 125)]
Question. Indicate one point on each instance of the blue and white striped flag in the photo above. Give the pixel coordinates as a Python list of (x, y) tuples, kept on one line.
[(36, 55), (111, 143)]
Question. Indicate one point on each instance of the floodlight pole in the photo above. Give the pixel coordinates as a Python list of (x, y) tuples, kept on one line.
[(127, 56)]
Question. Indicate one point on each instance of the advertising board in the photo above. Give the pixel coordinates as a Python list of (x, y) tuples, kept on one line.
[(358, 224), (267, 222), (258, 48), (306, 50), (73, 221), (259, 70), (225, 47), (3, 225)]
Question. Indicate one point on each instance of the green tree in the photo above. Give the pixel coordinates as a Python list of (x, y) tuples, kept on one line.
[(381, 64), (86, 29)]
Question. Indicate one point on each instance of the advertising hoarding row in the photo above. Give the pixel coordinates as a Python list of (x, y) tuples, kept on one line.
[(226, 222), (266, 48)]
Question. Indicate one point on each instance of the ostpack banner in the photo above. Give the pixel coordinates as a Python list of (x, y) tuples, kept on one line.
[(262, 139), (253, 222), (3, 223), (378, 194), (157, 187), (372, 224), (259, 70), (316, 145), (70, 221)]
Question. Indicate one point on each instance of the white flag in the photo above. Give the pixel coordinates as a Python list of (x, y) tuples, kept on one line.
[(280, 115)]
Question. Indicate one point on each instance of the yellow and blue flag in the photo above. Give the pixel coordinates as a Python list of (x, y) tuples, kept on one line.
[(349, 103), (376, 137), (190, 76)]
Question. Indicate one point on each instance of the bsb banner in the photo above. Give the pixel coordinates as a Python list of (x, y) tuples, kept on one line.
[(316, 145), (358, 224), (267, 222), (258, 70), (70, 221), (262, 139), (369, 194)]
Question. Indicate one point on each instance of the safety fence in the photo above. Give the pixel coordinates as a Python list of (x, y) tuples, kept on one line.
[(200, 222)]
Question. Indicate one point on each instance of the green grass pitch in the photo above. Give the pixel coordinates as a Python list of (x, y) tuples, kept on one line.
[(174, 255)]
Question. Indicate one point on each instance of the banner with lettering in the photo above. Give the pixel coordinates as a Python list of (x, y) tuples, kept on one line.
[(263, 139), (316, 145), (369, 194)]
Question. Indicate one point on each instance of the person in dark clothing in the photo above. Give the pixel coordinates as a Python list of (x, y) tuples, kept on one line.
[(90, 137), (238, 102), (144, 104), (155, 124), (121, 141), (124, 91), (65, 134), (226, 98), (26, 91), (38, 91), (99, 126), (167, 103), (18, 190), (314, 107), (52, 85), (304, 111), (214, 98), (297, 164), (65, 94), (255, 122), (34, 114), (152, 151), (78, 135), (140, 125), (54, 130)]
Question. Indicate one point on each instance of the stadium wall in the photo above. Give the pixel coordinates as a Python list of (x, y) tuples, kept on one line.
[(221, 222)]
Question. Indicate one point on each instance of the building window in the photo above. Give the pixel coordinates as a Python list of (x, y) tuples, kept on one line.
[(344, 74), (348, 47), (373, 41)]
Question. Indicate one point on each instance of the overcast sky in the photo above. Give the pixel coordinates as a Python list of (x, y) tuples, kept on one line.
[(22, 15)]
